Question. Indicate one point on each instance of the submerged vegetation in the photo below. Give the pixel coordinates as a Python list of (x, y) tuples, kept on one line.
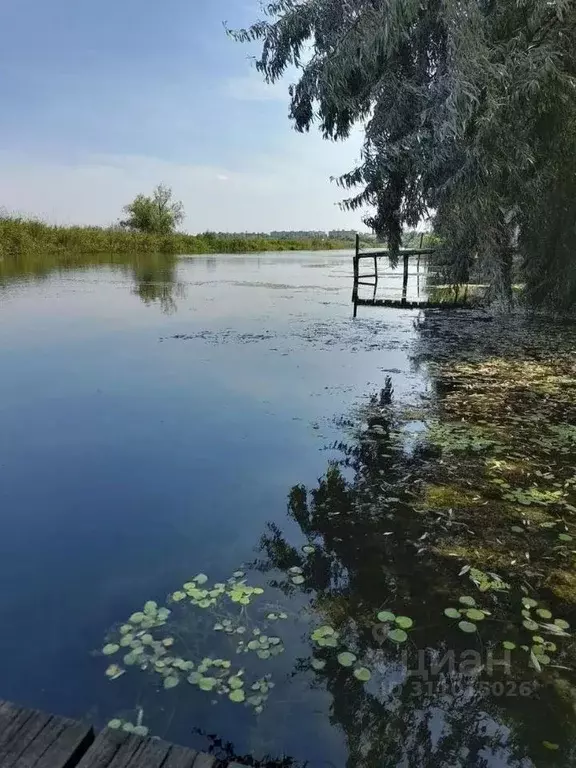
[(26, 239), (433, 572)]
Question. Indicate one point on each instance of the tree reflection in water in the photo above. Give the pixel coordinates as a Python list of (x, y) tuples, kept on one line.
[(372, 551)]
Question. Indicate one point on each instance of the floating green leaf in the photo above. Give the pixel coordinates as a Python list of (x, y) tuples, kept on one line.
[(137, 617), (318, 664), (467, 626), (150, 607), (141, 730), (308, 549), (363, 674), (207, 683), (115, 724), (564, 537), (475, 614), (114, 672), (544, 613), (346, 658), (509, 645), (110, 649), (202, 578), (297, 580), (452, 613), (178, 596), (398, 635), (467, 600), (171, 681), (528, 602), (550, 745), (561, 623), (404, 622), (235, 682), (385, 616), (237, 695), (529, 624)]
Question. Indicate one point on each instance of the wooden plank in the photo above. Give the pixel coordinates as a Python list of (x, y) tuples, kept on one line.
[(8, 712), (204, 761), (118, 749), (180, 757), (15, 721), (60, 744), (150, 754), (107, 745), (20, 738)]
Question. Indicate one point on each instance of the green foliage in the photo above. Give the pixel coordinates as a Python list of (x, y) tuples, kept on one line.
[(159, 214), (467, 108), (33, 247)]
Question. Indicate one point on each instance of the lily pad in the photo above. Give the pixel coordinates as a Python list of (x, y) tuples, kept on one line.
[(114, 672), (115, 723), (297, 580), (207, 683), (452, 613), (398, 635), (474, 614), (141, 730), (308, 549), (346, 658), (564, 537), (171, 681), (467, 626), (550, 745), (201, 578), (531, 625), (150, 607), (318, 664), (467, 600), (237, 696), (528, 602), (235, 682), (544, 613), (404, 622), (561, 623), (363, 674), (384, 616), (509, 645), (110, 649)]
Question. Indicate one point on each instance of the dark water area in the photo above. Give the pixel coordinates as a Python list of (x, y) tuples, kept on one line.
[(217, 438)]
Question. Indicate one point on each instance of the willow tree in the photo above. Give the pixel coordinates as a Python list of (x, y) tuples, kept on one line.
[(463, 104)]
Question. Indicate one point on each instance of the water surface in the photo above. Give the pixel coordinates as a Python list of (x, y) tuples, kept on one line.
[(171, 426)]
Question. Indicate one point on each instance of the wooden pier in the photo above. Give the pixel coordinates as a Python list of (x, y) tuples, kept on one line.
[(371, 279), (31, 739)]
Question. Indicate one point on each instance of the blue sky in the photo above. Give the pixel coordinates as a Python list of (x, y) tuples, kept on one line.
[(102, 100)]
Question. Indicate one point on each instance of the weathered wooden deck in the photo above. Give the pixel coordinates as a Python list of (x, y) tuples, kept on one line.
[(31, 739)]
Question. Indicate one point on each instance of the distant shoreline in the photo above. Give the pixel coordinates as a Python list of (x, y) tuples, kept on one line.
[(24, 237)]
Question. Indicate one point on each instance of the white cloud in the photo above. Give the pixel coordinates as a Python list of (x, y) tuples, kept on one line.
[(286, 190)]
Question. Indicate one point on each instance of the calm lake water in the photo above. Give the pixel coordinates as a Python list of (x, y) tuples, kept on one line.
[(159, 423)]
